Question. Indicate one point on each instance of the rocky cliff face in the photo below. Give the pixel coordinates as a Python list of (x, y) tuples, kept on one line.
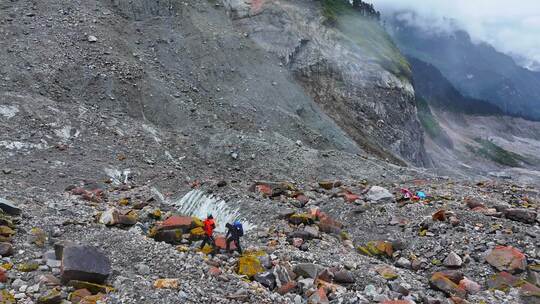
[(355, 82)]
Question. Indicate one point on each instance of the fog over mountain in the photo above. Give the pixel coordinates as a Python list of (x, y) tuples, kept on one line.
[(510, 28)]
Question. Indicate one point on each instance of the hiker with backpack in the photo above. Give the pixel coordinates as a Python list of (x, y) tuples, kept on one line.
[(234, 232), (209, 225)]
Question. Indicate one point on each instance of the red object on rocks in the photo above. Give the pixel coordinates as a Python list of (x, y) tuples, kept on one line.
[(286, 288), (214, 271), (221, 243), (175, 221), (350, 197), (3, 276), (264, 189)]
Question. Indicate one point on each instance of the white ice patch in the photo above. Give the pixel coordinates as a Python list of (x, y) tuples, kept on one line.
[(176, 162), (8, 111), (65, 133), (117, 177), (18, 145), (197, 203), (152, 131)]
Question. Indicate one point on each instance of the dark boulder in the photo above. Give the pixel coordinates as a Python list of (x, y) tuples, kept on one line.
[(343, 277), (9, 207), (6, 249), (267, 279), (521, 215), (85, 263)]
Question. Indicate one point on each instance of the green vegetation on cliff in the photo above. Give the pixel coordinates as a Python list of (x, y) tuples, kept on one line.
[(361, 25), (492, 151), (429, 122)]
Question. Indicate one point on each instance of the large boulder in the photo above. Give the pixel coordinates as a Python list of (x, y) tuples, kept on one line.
[(173, 229), (343, 277), (84, 263), (267, 279), (51, 297), (9, 207), (470, 286), (186, 223), (503, 280), (110, 217), (6, 249), (523, 215), (445, 284), (282, 275), (377, 193), (453, 260), (169, 236), (319, 297), (507, 258), (307, 270), (221, 243), (329, 225)]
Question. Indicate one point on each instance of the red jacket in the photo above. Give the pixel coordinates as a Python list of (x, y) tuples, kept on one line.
[(209, 226)]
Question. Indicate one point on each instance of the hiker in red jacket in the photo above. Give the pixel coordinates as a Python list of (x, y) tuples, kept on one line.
[(209, 225)]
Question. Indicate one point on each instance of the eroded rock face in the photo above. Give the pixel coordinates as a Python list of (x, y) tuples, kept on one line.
[(368, 96)]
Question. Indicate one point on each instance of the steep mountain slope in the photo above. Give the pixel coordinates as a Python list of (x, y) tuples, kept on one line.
[(472, 132), (430, 84), (351, 69), (497, 146), (476, 70), (161, 64)]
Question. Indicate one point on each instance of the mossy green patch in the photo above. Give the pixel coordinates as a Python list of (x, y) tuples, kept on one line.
[(376, 248), (249, 265), (301, 218), (27, 267), (493, 152), (430, 124), (6, 297)]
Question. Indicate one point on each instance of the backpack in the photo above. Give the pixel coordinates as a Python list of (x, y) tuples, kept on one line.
[(238, 226)]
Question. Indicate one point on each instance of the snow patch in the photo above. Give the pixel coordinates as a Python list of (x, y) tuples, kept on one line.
[(152, 131), (18, 145), (8, 111), (118, 177), (66, 133), (172, 159), (197, 203)]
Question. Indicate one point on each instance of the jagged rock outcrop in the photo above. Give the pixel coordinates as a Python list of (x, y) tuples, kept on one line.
[(364, 88)]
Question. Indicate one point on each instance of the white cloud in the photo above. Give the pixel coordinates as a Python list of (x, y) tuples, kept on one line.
[(510, 26)]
